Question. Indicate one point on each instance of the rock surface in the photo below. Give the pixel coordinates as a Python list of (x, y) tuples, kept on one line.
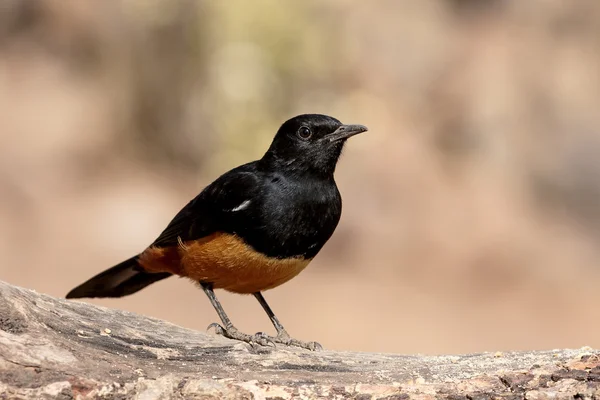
[(53, 348)]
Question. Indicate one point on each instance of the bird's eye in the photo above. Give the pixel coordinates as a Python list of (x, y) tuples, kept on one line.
[(304, 133)]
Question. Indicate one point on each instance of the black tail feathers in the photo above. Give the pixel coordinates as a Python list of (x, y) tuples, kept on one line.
[(121, 280)]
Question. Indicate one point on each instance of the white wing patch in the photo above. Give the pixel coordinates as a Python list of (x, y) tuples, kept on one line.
[(245, 204)]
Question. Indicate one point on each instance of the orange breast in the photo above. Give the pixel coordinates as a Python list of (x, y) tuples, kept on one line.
[(224, 260)]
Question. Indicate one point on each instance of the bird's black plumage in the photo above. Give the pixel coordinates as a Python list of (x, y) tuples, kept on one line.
[(254, 227), (277, 215)]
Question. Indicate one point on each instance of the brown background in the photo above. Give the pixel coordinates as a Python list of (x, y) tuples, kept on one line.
[(471, 207)]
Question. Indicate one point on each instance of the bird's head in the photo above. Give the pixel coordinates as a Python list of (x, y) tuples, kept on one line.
[(310, 144)]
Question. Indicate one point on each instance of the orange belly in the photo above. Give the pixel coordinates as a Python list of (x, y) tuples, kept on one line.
[(225, 261)]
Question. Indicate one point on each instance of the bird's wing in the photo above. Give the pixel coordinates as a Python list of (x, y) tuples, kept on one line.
[(206, 213)]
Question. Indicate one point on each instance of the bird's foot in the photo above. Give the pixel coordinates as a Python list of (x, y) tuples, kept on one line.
[(284, 338), (262, 339), (232, 332)]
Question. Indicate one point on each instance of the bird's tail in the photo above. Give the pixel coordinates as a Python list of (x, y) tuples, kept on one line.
[(121, 280)]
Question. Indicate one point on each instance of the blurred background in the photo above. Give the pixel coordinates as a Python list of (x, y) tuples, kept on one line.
[(471, 207)]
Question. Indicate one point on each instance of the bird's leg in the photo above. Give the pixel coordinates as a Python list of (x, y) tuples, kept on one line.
[(228, 330), (282, 336)]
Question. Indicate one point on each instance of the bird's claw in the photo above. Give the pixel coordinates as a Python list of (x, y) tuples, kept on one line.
[(314, 346), (263, 339), (219, 330)]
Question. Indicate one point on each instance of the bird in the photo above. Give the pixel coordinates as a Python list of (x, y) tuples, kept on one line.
[(254, 228)]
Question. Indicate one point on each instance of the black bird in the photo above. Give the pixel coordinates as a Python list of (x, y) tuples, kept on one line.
[(254, 228)]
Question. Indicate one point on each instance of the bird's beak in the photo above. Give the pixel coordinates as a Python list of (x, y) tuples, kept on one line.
[(344, 132)]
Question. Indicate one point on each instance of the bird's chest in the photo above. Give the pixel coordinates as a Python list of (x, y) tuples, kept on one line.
[(297, 222)]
